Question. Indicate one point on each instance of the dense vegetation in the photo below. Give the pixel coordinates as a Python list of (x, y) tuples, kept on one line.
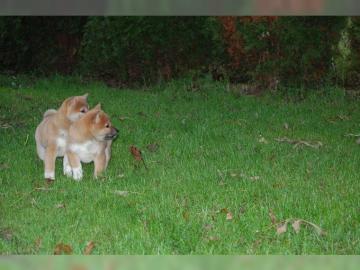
[(271, 51)]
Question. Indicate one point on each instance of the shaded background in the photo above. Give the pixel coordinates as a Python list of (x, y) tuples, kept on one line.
[(179, 7), (262, 51)]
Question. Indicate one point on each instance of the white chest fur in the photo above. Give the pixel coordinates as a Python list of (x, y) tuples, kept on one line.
[(86, 151)]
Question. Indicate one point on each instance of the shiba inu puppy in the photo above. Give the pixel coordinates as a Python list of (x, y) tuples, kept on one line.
[(90, 140), (51, 134)]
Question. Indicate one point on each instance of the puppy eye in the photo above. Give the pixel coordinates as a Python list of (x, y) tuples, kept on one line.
[(83, 110), (107, 125)]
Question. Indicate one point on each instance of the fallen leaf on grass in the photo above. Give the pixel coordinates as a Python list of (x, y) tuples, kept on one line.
[(125, 193), (49, 181), (153, 147), (136, 153), (272, 217), (212, 238), (223, 210), (38, 243), (123, 118), (263, 140), (60, 205), (45, 189), (208, 227), (122, 193), (296, 225), (89, 248), (229, 216), (282, 228), (286, 125), (6, 234), (296, 143), (62, 249), (255, 177), (186, 215)]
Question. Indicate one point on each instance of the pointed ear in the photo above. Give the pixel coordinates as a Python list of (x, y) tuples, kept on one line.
[(85, 96), (97, 117), (97, 107)]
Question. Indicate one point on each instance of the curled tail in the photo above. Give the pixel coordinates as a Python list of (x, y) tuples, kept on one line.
[(49, 112)]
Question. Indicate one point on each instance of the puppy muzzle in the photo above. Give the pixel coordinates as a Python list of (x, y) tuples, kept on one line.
[(112, 135)]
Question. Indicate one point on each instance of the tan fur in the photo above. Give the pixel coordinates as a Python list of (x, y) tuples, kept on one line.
[(90, 140), (51, 133)]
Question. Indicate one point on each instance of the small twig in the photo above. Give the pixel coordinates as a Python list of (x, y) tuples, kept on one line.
[(296, 143), (352, 135)]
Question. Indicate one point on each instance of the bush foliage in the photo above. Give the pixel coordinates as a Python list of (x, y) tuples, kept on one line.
[(147, 48), (296, 51)]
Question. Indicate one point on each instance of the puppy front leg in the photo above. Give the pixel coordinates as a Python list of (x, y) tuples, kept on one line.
[(66, 166), (49, 162), (100, 163), (75, 165)]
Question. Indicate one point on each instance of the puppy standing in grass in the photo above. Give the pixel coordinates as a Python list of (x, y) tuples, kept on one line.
[(51, 133), (90, 140)]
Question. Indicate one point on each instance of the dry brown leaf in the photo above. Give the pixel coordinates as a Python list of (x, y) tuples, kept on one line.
[(213, 238), (122, 193), (38, 243), (6, 234), (281, 228), (296, 225), (136, 153), (62, 249), (272, 217), (153, 147), (208, 227), (123, 118), (89, 248), (45, 189), (229, 216), (60, 205), (224, 210), (186, 215)]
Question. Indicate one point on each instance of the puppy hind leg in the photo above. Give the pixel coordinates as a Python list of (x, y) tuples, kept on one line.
[(49, 162)]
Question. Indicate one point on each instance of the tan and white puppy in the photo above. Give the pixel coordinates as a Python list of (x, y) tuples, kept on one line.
[(51, 134), (90, 140)]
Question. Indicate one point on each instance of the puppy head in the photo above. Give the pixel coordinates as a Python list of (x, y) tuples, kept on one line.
[(76, 107), (101, 127)]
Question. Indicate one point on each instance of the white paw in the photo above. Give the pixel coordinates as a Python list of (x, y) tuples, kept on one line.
[(67, 171), (50, 175), (66, 167), (77, 173)]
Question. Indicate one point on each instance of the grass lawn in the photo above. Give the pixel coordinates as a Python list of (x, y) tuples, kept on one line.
[(218, 182)]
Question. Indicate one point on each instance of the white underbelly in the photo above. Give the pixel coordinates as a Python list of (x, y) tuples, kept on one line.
[(86, 151), (61, 143)]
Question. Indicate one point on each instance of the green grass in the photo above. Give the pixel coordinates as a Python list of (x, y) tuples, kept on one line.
[(211, 159)]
